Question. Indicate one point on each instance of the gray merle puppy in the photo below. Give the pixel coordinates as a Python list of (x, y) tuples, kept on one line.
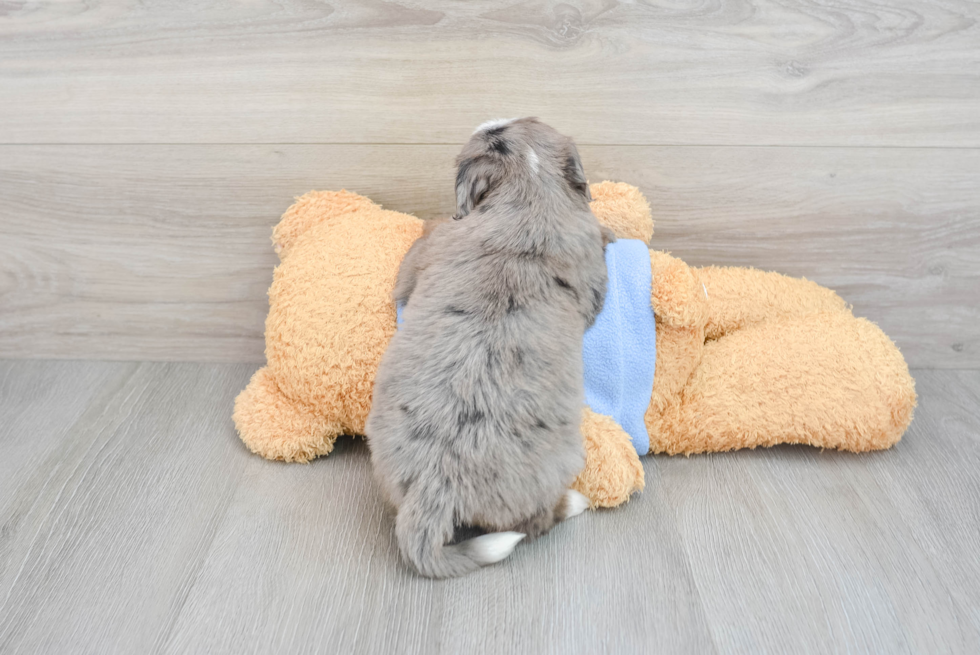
[(477, 401)]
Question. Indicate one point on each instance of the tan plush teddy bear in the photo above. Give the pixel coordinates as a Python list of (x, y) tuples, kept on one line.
[(741, 358)]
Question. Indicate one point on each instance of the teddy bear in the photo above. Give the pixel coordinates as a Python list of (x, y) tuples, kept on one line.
[(719, 358)]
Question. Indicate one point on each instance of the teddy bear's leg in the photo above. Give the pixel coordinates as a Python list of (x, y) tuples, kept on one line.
[(739, 297), (829, 380), (612, 468), (275, 427)]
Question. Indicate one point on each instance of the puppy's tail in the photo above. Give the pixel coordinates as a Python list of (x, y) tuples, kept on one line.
[(424, 525)]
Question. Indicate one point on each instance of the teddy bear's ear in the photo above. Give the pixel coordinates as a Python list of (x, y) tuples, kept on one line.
[(623, 208), (312, 209)]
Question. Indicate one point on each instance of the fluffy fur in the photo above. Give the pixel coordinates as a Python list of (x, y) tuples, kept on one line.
[(478, 399)]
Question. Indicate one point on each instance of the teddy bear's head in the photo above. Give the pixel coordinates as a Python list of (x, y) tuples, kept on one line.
[(330, 309)]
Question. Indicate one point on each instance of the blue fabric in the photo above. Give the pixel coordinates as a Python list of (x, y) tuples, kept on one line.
[(620, 349)]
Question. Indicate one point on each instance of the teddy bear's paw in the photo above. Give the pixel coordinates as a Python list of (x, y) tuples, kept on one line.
[(275, 427), (612, 468)]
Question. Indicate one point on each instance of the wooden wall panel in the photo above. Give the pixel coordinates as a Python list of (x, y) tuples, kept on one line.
[(163, 252), (751, 72)]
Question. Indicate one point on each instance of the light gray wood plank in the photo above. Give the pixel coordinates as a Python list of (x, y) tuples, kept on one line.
[(939, 486), (39, 402), (905, 72), (617, 581), (304, 559), (809, 551), (151, 529), (105, 533), (162, 252), (323, 568), (45, 398)]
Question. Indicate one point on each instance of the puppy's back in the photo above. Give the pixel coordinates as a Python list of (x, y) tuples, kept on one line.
[(478, 399)]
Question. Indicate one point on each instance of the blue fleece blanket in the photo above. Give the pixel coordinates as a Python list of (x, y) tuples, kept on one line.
[(620, 349)]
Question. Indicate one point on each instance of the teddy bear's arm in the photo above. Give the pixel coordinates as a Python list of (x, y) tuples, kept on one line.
[(739, 297), (676, 294), (612, 470)]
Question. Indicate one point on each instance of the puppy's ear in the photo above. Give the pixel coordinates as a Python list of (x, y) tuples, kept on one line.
[(476, 177), (575, 174)]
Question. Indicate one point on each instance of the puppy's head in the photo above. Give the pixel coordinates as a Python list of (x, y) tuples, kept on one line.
[(520, 151)]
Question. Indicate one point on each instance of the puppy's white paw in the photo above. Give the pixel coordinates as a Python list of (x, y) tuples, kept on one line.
[(575, 503), (493, 547)]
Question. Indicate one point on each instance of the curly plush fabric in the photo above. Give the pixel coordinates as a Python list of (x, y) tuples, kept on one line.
[(744, 358), (747, 358), (330, 320), (619, 351), (612, 471)]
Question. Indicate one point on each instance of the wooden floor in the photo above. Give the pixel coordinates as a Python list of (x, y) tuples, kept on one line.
[(146, 151), (132, 520)]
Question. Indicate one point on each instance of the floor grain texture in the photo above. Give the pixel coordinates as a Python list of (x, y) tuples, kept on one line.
[(133, 520)]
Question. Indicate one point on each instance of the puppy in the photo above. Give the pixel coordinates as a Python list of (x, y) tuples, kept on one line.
[(477, 401)]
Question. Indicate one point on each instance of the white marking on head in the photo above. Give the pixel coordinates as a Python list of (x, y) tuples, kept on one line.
[(532, 159), (489, 125)]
